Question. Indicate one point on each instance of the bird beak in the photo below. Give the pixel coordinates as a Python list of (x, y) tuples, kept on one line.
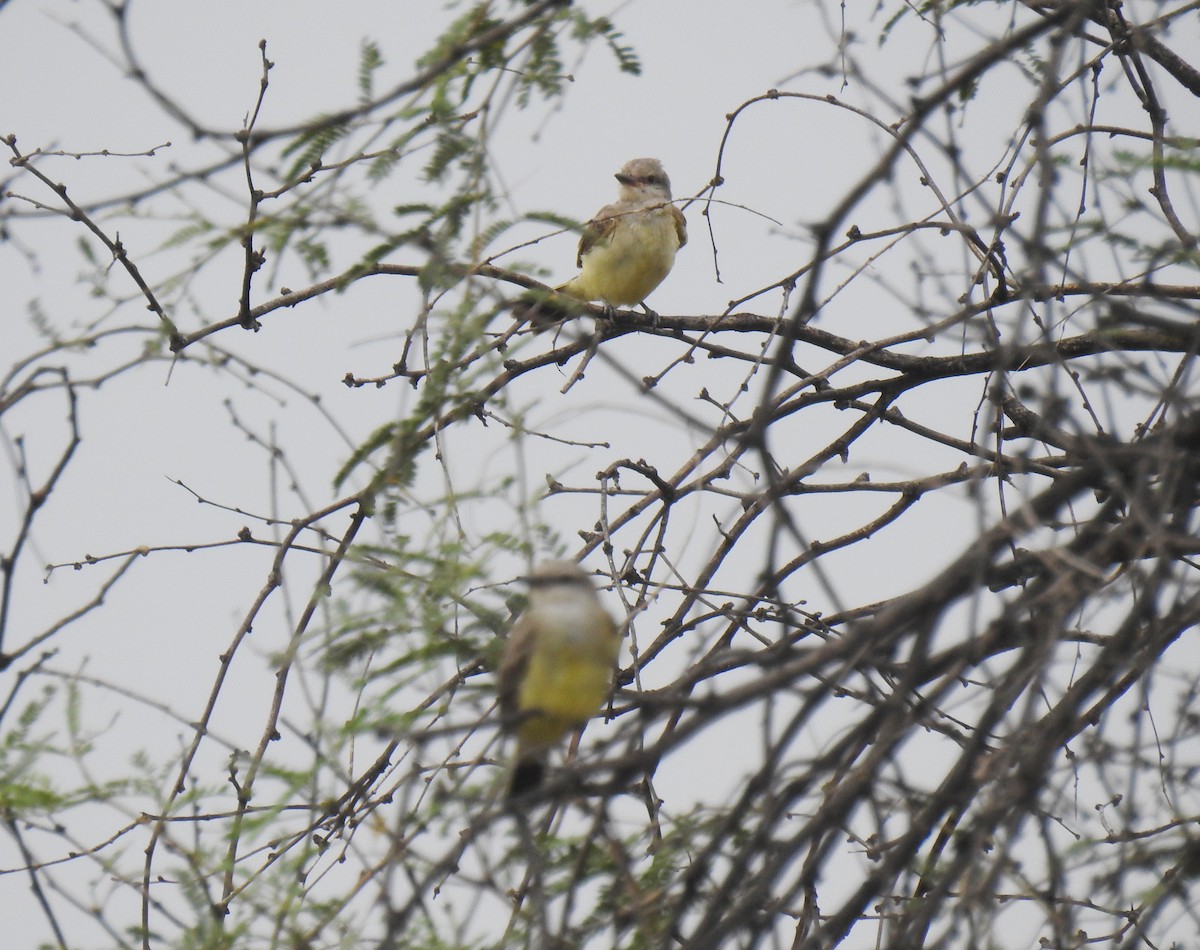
[(624, 179)]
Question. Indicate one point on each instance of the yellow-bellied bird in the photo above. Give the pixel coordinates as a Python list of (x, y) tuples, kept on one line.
[(629, 246), (557, 668), (626, 249)]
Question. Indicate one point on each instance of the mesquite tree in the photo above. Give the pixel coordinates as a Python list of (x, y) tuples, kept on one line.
[(902, 537)]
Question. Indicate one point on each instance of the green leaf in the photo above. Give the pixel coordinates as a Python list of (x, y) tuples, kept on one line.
[(369, 60)]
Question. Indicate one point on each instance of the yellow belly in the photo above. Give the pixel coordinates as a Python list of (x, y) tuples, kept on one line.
[(563, 687), (626, 269)]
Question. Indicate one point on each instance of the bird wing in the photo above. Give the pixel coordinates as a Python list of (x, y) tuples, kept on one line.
[(599, 229), (680, 225), (512, 669)]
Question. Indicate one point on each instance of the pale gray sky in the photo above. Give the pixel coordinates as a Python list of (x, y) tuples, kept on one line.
[(160, 631)]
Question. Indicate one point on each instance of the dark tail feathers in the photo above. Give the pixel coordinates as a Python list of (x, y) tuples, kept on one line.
[(527, 775)]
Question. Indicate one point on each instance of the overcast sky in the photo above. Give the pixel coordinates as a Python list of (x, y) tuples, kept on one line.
[(62, 89)]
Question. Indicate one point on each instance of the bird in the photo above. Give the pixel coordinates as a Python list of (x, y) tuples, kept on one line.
[(557, 667), (626, 249)]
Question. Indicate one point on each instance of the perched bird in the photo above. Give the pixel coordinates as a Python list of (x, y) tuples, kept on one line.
[(557, 668), (627, 248)]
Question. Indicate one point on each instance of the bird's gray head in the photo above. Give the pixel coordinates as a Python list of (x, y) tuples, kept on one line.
[(644, 178), (558, 574)]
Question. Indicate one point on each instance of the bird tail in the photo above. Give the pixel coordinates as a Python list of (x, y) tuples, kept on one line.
[(541, 310), (527, 775), (574, 288)]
